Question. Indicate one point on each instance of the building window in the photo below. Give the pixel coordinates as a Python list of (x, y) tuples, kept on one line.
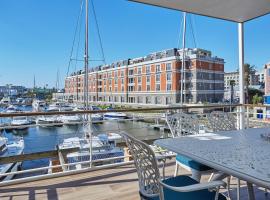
[(158, 100), (158, 78), (140, 100), (115, 74), (148, 87), (115, 81), (122, 88), (157, 87), (169, 76), (131, 80), (130, 88), (148, 79), (157, 68), (139, 88), (148, 69), (122, 81), (122, 73), (168, 66), (131, 72), (148, 100), (139, 79), (139, 70), (169, 87)]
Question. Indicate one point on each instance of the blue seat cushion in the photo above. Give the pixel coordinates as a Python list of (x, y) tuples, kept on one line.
[(180, 181), (191, 163)]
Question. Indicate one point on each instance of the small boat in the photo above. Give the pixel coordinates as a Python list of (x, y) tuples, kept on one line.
[(110, 137), (70, 119), (55, 107), (10, 148), (20, 123), (114, 115), (96, 118), (103, 147), (49, 121), (66, 107), (38, 105), (12, 109)]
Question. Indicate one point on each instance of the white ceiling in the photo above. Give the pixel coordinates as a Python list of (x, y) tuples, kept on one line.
[(232, 10)]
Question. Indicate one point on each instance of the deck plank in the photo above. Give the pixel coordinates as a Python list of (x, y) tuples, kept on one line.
[(108, 184)]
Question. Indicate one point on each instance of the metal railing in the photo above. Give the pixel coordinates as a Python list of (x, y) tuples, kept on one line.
[(153, 114)]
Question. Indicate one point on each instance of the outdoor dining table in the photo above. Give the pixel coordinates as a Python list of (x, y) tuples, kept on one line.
[(244, 154)]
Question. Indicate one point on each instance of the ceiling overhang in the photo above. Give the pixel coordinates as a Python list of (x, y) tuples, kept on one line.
[(231, 10)]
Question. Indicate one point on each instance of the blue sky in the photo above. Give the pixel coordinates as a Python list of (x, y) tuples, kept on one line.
[(36, 36)]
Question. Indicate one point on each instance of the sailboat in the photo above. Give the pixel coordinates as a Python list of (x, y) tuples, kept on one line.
[(90, 147)]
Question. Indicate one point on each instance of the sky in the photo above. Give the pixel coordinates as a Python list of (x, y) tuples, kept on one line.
[(36, 37)]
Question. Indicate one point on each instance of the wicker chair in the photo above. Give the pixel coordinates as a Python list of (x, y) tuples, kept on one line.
[(152, 187), (186, 124), (221, 121)]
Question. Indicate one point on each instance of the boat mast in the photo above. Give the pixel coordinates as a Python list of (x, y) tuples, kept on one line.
[(183, 69), (86, 59)]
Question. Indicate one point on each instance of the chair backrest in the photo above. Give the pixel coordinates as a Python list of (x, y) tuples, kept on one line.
[(146, 165), (221, 121), (183, 124)]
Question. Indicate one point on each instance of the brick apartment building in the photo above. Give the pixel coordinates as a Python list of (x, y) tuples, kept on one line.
[(153, 79)]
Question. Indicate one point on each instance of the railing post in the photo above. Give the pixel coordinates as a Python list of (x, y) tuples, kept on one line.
[(247, 120), (241, 72)]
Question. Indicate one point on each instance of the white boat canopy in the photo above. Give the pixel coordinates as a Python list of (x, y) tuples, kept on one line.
[(232, 10)]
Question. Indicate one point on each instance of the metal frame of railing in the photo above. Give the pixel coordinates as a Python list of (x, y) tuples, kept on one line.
[(69, 172)]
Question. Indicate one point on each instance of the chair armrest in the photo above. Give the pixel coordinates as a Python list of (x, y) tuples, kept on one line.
[(195, 187)]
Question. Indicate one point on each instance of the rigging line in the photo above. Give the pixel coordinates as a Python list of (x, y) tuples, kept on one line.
[(179, 36), (74, 38), (192, 32), (98, 31)]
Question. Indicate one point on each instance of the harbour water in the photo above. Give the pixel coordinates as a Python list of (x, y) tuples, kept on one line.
[(38, 139)]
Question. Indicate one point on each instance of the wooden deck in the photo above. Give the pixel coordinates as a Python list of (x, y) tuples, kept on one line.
[(109, 184)]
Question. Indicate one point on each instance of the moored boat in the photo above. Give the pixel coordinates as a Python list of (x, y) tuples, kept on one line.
[(114, 115), (10, 148), (38, 105)]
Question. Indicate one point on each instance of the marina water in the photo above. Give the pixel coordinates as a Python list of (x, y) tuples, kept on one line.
[(39, 139)]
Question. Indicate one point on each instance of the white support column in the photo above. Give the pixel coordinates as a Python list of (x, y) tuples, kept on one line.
[(241, 72)]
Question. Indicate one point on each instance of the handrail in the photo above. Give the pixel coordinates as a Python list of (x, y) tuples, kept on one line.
[(37, 155), (117, 110)]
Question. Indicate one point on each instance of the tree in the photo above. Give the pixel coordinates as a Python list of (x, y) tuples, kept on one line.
[(256, 99)]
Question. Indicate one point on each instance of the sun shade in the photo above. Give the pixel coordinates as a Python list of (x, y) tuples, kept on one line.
[(232, 10)]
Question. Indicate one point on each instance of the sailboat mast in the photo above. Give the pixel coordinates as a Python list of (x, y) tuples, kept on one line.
[(86, 59), (183, 69)]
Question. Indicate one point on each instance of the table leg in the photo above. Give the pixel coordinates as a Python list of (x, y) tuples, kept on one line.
[(238, 189), (251, 195)]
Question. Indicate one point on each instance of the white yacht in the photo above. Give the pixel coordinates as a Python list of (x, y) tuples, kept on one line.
[(19, 123), (114, 115), (96, 118), (70, 119), (48, 121), (10, 148), (103, 146), (12, 109), (38, 105), (55, 107)]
